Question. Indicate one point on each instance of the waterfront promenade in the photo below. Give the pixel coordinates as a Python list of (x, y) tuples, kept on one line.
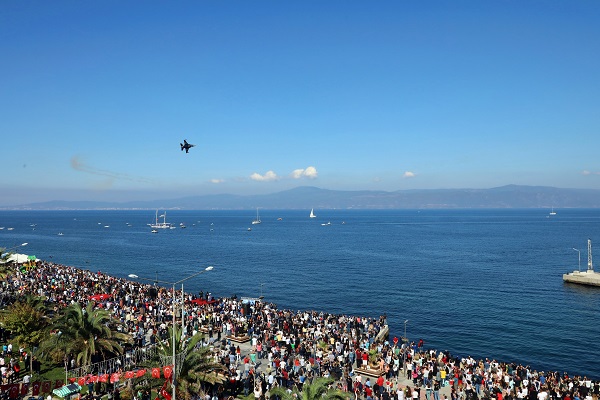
[(262, 346)]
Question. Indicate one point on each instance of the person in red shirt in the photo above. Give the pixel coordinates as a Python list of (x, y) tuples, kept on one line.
[(380, 383)]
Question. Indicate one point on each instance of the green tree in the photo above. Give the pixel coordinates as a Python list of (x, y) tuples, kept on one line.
[(319, 389), (86, 332), (27, 321), (195, 365)]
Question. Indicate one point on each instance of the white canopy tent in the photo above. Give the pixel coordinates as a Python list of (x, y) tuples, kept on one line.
[(18, 258)]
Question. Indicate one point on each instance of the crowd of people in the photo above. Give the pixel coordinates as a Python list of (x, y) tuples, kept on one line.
[(284, 348)]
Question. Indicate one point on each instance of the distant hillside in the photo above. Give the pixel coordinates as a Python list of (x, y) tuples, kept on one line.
[(511, 196)]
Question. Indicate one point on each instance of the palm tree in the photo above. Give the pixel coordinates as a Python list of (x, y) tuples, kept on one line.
[(319, 389), (5, 267), (85, 332), (194, 365)]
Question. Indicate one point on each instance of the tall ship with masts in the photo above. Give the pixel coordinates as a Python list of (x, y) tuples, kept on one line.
[(160, 225)]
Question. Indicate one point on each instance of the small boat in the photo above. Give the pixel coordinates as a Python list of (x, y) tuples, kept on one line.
[(328, 223), (257, 220), (552, 212), (60, 234), (9, 229), (312, 213), (249, 229), (154, 231), (107, 226), (279, 219)]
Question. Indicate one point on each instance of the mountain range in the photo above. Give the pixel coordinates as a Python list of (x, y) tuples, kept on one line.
[(306, 197)]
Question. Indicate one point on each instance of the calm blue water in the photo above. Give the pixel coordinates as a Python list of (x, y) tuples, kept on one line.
[(486, 283)]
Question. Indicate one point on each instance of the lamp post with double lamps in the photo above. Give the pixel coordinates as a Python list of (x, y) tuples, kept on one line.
[(405, 345), (174, 311)]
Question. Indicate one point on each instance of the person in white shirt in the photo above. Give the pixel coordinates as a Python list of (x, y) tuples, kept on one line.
[(400, 393)]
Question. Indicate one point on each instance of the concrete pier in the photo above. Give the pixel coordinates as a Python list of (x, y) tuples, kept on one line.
[(589, 278)]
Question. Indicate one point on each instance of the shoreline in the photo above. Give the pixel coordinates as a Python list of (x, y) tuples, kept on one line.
[(74, 284)]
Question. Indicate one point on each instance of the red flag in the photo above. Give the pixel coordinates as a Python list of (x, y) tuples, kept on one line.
[(129, 374), (46, 386), (115, 377), (140, 373), (58, 384), (71, 380), (165, 394), (81, 381), (167, 371), (14, 391), (36, 388), (24, 389), (156, 372), (103, 378)]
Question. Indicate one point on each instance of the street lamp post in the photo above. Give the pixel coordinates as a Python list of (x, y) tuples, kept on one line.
[(579, 253), (405, 345), (174, 312)]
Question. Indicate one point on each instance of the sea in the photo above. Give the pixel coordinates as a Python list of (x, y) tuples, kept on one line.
[(480, 283)]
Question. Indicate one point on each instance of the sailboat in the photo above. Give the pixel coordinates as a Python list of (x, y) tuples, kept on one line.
[(552, 212), (312, 213), (161, 225), (257, 220)]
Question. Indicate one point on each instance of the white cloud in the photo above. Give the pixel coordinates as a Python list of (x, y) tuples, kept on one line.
[(409, 174), (309, 172), (267, 177), (586, 173), (217, 181)]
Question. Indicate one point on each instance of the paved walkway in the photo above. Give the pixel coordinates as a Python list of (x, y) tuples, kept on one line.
[(246, 349)]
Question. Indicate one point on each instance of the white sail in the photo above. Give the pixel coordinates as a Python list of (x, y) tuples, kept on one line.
[(257, 220), (312, 213)]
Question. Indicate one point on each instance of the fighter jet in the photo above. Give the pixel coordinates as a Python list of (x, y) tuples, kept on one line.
[(185, 145)]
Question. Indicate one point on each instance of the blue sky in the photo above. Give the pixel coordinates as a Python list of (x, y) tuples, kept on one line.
[(97, 96)]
